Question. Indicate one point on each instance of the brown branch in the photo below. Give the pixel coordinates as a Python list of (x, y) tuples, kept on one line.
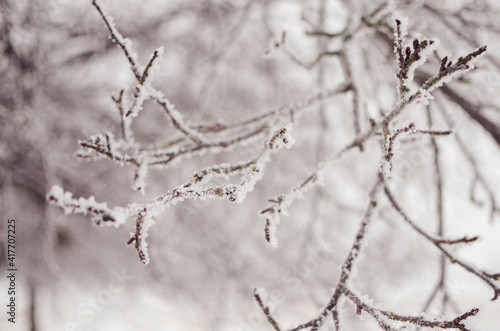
[(348, 265), (119, 105), (145, 74), (349, 76), (384, 317), (478, 176), (163, 158), (119, 40), (266, 311), (487, 278), (462, 64)]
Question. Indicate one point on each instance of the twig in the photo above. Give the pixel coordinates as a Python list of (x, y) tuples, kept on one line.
[(487, 278), (384, 318), (266, 310), (123, 43), (251, 171), (348, 73), (478, 176)]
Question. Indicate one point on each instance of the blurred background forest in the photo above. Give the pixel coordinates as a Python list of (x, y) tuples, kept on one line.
[(58, 70)]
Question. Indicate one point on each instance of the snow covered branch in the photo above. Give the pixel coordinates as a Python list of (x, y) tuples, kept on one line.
[(409, 58), (391, 321), (407, 66), (449, 69), (251, 172), (99, 212), (379, 123), (348, 265)]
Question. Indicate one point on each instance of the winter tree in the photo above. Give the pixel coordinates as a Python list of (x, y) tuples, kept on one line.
[(333, 162)]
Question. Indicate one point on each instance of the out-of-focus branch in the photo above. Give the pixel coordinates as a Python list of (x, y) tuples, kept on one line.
[(348, 72), (218, 59), (440, 219), (289, 110), (487, 278)]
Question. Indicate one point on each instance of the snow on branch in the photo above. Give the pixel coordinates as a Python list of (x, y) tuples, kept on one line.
[(143, 90), (124, 43), (388, 320), (409, 57), (251, 172), (392, 143), (99, 213), (126, 151), (269, 127), (284, 201), (260, 296), (176, 118), (348, 265)]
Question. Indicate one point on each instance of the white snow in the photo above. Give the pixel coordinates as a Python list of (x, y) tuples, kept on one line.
[(99, 212)]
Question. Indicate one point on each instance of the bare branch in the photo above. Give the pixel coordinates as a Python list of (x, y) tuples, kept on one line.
[(487, 278)]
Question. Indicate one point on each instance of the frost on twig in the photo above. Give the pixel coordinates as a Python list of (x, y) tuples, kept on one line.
[(388, 320), (410, 57), (142, 224), (125, 122), (252, 172), (99, 213), (233, 181), (413, 58), (393, 142), (348, 265), (391, 146), (449, 69), (143, 90), (260, 296), (124, 43), (197, 188)]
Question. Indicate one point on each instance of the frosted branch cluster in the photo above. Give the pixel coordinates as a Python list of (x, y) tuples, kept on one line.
[(271, 130)]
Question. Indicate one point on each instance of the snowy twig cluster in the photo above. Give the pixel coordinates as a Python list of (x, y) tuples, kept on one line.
[(272, 129), (387, 320), (408, 58)]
